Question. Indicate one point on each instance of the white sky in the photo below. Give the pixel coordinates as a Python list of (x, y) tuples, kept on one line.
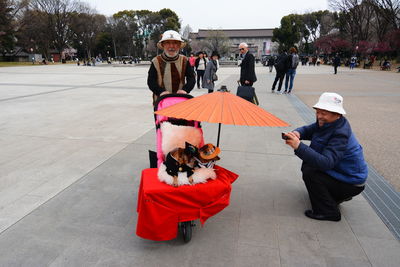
[(218, 14)]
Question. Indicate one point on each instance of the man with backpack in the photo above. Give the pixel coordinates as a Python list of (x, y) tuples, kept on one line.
[(293, 61)]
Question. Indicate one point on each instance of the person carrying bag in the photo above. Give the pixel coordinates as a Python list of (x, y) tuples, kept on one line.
[(247, 92), (247, 75)]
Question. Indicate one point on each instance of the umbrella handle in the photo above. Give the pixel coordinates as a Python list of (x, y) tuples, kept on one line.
[(219, 131)]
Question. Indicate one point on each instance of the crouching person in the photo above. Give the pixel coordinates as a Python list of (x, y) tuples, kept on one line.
[(334, 169)]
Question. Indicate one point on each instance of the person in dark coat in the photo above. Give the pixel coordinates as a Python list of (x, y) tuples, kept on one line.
[(271, 63), (334, 169), (281, 67), (210, 74), (247, 66), (336, 62)]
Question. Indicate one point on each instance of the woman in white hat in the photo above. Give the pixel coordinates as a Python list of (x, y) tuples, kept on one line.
[(334, 169), (170, 72)]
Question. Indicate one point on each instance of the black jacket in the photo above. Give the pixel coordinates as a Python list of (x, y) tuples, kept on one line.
[(282, 63), (336, 61), (247, 71)]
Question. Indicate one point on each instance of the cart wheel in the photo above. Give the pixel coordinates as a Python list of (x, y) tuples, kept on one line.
[(186, 231)]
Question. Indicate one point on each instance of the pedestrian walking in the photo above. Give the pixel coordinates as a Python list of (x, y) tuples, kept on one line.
[(192, 60), (293, 62), (200, 65), (281, 67), (247, 66), (210, 74), (270, 63), (353, 61), (336, 63)]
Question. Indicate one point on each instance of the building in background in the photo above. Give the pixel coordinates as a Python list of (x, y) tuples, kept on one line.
[(259, 41)]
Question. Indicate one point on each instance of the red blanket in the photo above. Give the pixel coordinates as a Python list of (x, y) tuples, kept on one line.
[(161, 206)]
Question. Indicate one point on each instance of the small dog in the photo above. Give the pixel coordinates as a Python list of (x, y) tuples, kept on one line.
[(207, 156), (181, 160)]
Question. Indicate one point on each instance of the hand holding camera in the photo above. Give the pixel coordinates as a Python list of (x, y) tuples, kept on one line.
[(292, 139), (284, 136)]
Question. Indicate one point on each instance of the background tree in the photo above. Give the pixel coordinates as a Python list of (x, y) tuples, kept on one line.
[(355, 19), (85, 27), (6, 27), (333, 43), (186, 36), (163, 20), (34, 33), (390, 11), (58, 14), (142, 36), (217, 41), (127, 28), (10, 13), (289, 33)]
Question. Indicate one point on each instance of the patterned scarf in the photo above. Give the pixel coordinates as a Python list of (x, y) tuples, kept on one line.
[(170, 72)]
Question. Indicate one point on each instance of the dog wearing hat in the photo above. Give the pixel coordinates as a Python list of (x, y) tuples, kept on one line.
[(207, 156), (204, 163), (189, 165)]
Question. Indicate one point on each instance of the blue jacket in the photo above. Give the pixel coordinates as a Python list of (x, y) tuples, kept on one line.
[(333, 150)]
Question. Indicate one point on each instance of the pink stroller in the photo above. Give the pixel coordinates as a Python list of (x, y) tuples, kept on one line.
[(172, 133), (160, 206)]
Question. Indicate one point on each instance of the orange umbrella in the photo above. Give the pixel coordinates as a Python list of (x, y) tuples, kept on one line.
[(222, 107)]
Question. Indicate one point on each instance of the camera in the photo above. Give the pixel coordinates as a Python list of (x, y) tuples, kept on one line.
[(284, 136)]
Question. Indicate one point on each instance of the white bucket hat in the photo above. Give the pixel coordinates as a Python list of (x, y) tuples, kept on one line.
[(170, 35), (331, 102)]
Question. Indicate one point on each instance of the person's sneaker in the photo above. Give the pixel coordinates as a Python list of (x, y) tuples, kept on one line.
[(321, 217), (272, 90)]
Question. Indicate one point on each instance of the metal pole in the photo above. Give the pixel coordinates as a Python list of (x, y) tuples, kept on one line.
[(219, 131)]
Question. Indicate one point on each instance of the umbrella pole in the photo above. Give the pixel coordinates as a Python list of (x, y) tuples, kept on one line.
[(219, 131)]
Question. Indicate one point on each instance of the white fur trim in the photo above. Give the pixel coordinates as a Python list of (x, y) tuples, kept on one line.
[(174, 136), (163, 176), (199, 176)]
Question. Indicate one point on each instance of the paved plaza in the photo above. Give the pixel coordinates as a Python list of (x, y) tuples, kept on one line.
[(74, 140)]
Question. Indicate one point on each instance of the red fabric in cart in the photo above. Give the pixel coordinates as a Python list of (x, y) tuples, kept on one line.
[(161, 206)]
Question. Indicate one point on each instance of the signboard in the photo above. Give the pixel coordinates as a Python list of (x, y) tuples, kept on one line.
[(267, 47)]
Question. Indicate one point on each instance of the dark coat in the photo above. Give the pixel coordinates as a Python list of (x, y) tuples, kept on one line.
[(282, 63), (336, 61), (247, 68), (271, 61), (211, 69), (333, 150)]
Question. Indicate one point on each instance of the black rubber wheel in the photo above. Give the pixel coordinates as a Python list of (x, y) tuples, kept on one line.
[(186, 231)]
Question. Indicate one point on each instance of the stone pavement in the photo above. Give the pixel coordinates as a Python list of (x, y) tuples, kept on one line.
[(74, 141)]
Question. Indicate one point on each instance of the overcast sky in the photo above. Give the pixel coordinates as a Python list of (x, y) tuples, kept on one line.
[(218, 14)]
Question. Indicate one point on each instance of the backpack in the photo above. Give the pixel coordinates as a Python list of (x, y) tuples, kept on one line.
[(295, 61)]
